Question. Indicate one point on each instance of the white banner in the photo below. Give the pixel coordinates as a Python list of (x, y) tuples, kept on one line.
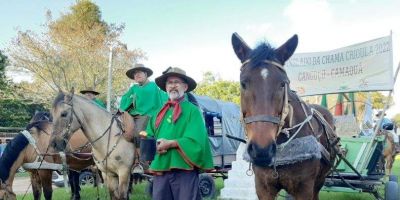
[(366, 66)]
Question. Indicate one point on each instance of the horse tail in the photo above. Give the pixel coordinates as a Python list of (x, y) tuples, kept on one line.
[(11, 154)]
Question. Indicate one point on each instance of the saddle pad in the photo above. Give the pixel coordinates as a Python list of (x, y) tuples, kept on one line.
[(299, 149)]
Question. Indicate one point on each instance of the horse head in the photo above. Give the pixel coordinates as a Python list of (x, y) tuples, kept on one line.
[(40, 127), (6, 193), (65, 120), (264, 87)]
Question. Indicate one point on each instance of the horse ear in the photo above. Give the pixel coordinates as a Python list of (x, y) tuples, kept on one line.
[(72, 90), (242, 50), (68, 98), (284, 52)]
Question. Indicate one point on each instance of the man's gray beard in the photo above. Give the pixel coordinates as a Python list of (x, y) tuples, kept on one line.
[(175, 95)]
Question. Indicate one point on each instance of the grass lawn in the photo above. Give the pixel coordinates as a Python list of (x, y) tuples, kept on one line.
[(139, 191), (22, 174)]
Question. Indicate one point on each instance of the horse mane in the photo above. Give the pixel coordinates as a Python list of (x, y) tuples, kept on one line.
[(58, 99), (10, 155), (39, 120), (262, 52)]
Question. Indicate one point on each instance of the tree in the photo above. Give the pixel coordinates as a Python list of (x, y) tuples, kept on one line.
[(4, 83), (73, 52), (218, 89), (15, 109), (396, 119)]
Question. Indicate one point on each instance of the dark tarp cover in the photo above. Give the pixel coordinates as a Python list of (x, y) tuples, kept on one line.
[(230, 116)]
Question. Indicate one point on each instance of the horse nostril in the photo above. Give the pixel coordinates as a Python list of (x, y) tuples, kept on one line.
[(250, 150)]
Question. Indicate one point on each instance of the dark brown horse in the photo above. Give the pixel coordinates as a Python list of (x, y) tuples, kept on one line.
[(19, 151), (284, 133)]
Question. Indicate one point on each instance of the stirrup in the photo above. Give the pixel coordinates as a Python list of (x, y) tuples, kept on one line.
[(138, 169)]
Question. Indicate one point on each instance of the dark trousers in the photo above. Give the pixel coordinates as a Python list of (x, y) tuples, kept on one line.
[(177, 185)]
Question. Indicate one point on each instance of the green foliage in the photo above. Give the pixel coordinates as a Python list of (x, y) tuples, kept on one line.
[(17, 113), (218, 89), (396, 119), (14, 111), (3, 80), (73, 51)]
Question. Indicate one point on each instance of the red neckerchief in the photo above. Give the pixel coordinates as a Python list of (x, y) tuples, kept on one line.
[(176, 112)]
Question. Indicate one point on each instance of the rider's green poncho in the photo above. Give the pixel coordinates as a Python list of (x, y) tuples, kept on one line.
[(189, 131), (99, 103), (142, 99)]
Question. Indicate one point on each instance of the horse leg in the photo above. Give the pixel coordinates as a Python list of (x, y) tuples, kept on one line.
[(264, 191), (306, 192), (390, 164), (36, 184), (45, 178), (73, 179), (112, 184), (77, 185), (124, 183)]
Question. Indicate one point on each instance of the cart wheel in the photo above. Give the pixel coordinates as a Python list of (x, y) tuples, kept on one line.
[(206, 186), (393, 178), (86, 178), (391, 189)]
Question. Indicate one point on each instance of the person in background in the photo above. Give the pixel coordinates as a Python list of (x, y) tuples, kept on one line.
[(183, 148), (91, 95)]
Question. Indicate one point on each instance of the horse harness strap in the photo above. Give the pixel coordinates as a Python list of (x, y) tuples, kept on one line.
[(32, 142), (271, 62), (261, 118)]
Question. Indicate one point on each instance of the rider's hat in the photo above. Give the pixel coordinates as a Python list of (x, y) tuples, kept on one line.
[(138, 67), (175, 71), (89, 90)]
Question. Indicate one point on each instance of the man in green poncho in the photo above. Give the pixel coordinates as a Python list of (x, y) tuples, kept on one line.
[(143, 99), (183, 148), (91, 95)]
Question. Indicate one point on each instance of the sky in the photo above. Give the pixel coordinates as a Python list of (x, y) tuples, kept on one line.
[(196, 35)]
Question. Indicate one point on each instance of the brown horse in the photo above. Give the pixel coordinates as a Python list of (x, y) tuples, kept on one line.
[(19, 151), (389, 152), (113, 154), (284, 133)]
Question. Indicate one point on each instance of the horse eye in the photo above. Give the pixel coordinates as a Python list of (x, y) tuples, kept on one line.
[(243, 84), (283, 84), (64, 114)]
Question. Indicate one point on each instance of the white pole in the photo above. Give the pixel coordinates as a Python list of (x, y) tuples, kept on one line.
[(109, 88)]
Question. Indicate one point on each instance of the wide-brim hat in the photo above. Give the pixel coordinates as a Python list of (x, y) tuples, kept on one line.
[(89, 90), (175, 71), (138, 67)]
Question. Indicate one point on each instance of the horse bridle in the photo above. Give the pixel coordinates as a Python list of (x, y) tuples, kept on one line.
[(68, 130), (280, 121)]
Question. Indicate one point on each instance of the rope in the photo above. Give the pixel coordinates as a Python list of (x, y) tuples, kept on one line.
[(300, 125)]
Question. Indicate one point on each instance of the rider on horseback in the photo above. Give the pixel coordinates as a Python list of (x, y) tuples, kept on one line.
[(91, 95)]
